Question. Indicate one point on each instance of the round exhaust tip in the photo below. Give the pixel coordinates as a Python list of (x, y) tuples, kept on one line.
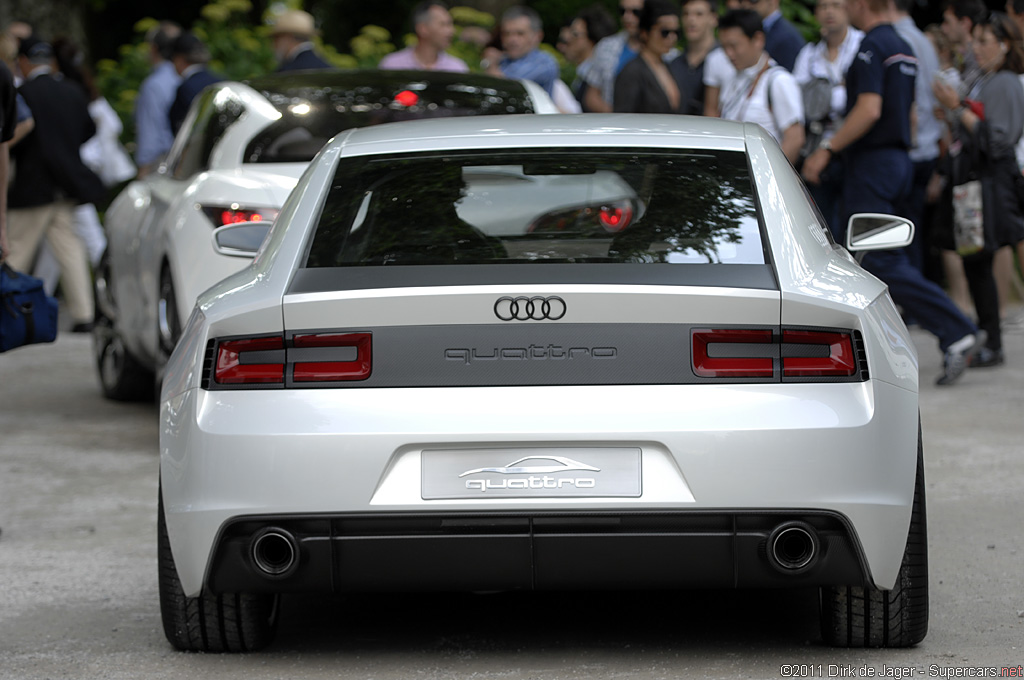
[(793, 547), (274, 552)]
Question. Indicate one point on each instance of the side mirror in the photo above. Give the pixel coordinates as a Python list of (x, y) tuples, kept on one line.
[(242, 239), (875, 231)]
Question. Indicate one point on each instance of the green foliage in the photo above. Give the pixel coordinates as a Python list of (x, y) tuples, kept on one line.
[(371, 45), (237, 49), (800, 13)]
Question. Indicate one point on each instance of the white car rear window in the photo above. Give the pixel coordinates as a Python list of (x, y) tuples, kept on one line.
[(559, 206)]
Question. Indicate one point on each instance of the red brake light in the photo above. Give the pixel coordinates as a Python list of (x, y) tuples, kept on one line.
[(407, 98), (616, 218), (221, 215), (730, 366), (838, 361), (755, 353), (345, 368), (250, 361)]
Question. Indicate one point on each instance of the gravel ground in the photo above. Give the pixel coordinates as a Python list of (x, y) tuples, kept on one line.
[(78, 593)]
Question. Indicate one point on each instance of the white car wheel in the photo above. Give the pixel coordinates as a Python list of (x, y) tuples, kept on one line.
[(121, 376)]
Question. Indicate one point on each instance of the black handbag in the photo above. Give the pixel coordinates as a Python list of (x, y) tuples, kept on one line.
[(27, 314)]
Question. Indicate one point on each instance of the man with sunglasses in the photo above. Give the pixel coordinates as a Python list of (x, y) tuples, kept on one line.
[(781, 40)]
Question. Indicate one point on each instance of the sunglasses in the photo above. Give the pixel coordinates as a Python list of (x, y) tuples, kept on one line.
[(666, 32), (629, 10)]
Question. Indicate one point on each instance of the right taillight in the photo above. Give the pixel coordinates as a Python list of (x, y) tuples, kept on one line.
[(817, 354), (732, 353), (788, 354)]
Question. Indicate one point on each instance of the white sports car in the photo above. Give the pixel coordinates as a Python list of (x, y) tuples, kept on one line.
[(236, 158), (665, 376)]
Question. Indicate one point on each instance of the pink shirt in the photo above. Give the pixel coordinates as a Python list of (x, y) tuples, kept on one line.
[(406, 59)]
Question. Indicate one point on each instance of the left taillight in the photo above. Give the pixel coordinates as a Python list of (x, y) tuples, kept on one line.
[(221, 215), (301, 360), (250, 361)]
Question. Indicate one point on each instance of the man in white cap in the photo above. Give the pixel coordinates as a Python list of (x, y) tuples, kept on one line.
[(291, 36), (434, 32)]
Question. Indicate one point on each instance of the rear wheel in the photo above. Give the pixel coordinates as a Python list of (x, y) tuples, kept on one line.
[(855, 616), (229, 622), (122, 378), (168, 323)]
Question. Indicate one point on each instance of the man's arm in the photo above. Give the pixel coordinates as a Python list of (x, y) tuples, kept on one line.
[(711, 94), (21, 131), (865, 113), (793, 141), (594, 101)]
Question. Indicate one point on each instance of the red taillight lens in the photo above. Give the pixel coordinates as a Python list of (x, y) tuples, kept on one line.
[(407, 98), (730, 362), (592, 219), (615, 218), (221, 215), (354, 364), (839, 360), (755, 353), (250, 361)]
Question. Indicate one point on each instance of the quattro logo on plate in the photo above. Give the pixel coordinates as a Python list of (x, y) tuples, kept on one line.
[(538, 476), (532, 473)]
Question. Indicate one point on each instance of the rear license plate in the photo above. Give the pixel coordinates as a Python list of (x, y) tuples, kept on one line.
[(531, 473)]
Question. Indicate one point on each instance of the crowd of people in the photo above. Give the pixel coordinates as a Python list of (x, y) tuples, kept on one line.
[(877, 115)]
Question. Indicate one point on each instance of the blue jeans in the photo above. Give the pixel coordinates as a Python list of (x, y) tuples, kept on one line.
[(880, 180)]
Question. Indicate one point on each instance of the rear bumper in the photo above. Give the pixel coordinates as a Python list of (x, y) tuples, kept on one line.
[(542, 551), (728, 455)]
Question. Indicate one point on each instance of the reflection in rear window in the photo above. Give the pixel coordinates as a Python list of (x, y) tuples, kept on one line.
[(317, 106), (565, 206)]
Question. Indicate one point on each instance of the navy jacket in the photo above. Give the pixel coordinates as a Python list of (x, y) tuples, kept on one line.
[(783, 42), (187, 91), (304, 60), (49, 163)]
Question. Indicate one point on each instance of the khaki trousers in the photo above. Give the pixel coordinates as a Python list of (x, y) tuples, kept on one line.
[(26, 228)]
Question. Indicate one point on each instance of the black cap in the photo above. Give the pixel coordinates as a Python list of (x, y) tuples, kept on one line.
[(35, 50)]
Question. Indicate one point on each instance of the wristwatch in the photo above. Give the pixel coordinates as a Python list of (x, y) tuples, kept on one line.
[(826, 144)]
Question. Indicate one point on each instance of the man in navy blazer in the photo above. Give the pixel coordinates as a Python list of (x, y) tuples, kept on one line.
[(189, 56), (292, 36), (782, 41), (51, 178)]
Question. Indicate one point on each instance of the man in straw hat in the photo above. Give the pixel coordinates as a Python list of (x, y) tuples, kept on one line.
[(291, 36)]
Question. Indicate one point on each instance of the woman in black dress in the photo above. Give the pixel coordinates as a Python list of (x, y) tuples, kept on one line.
[(645, 84)]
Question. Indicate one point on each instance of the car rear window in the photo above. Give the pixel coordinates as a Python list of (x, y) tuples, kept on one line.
[(316, 107), (565, 206)]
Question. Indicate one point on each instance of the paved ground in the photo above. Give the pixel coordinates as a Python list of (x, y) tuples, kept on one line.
[(78, 595)]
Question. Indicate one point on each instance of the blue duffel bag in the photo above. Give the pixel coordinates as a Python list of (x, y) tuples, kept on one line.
[(27, 314)]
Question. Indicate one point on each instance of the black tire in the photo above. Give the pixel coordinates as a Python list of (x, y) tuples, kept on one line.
[(121, 376), (230, 622), (168, 324), (856, 616)]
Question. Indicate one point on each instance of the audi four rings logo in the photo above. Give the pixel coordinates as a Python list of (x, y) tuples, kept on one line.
[(529, 308)]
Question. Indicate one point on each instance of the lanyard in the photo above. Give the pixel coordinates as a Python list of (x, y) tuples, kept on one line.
[(745, 102)]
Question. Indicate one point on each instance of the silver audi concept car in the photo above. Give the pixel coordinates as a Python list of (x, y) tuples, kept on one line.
[(544, 353)]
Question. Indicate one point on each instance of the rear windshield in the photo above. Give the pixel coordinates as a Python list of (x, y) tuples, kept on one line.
[(316, 108), (558, 206)]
